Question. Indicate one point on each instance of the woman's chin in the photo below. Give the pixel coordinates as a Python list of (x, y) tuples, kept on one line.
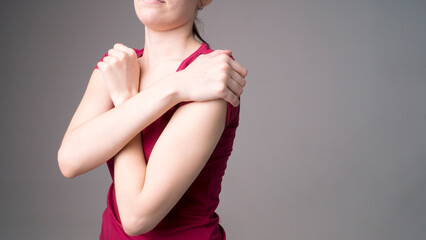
[(159, 22), (160, 17), (155, 24)]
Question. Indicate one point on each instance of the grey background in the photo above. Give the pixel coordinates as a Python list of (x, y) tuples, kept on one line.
[(332, 136)]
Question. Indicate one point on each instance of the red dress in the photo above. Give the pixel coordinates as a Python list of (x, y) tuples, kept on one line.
[(194, 216)]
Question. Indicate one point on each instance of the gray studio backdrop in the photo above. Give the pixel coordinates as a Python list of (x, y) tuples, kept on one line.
[(332, 136)]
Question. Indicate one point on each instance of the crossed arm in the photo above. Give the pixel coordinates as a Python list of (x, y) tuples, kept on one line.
[(98, 130), (146, 193)]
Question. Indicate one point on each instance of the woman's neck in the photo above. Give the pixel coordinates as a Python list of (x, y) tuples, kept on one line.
[(171, 45)]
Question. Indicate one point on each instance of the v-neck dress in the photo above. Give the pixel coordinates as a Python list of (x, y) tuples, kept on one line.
[(193, 217)]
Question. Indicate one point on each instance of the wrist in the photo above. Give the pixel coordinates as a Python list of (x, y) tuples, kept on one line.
[(172, 86), (121, 98)]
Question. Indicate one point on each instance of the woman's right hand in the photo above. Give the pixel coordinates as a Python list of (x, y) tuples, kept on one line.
[(212, 76)]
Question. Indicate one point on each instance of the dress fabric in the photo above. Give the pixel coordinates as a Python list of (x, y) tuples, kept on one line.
[(194, 216)]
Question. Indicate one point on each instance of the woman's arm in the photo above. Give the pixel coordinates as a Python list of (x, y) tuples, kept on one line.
[(98, 131), (96, 134), (146, 193)]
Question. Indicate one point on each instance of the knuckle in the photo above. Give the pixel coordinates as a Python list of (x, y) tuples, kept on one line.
[(224, 58), (225, 67), (224, 76), (121, 56), (219, 56), (113, 60), (221, 88), (111, 64), (99, 64)]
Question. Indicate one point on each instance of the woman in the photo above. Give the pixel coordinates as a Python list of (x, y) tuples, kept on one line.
[(166, 157)]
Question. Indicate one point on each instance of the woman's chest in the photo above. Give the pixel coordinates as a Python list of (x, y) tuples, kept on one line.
[(150, 76)]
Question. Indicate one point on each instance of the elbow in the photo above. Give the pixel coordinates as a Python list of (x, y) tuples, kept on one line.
[(134, 226), (67, 169)]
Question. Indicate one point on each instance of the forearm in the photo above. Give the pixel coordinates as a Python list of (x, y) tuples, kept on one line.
[(129, 178), (145, 193), (96, 141)]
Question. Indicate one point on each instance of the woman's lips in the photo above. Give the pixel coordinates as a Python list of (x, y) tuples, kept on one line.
[(153, 1)]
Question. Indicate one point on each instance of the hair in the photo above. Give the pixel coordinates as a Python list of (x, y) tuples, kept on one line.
[(195, 31)]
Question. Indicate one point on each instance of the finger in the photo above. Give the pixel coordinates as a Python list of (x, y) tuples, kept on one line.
[(238, 78), (116, 53), (234, 86), (109, 59), (231, 98), (239, 68), (101, 66), (124, 48), (218, 52)]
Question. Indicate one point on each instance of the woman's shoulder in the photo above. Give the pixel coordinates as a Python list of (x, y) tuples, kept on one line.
[(232, 113)]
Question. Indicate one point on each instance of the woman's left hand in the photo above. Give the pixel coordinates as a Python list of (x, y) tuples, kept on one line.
[(121, 71)]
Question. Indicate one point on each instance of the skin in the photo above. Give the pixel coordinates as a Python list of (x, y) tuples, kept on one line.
[(127, 93)]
